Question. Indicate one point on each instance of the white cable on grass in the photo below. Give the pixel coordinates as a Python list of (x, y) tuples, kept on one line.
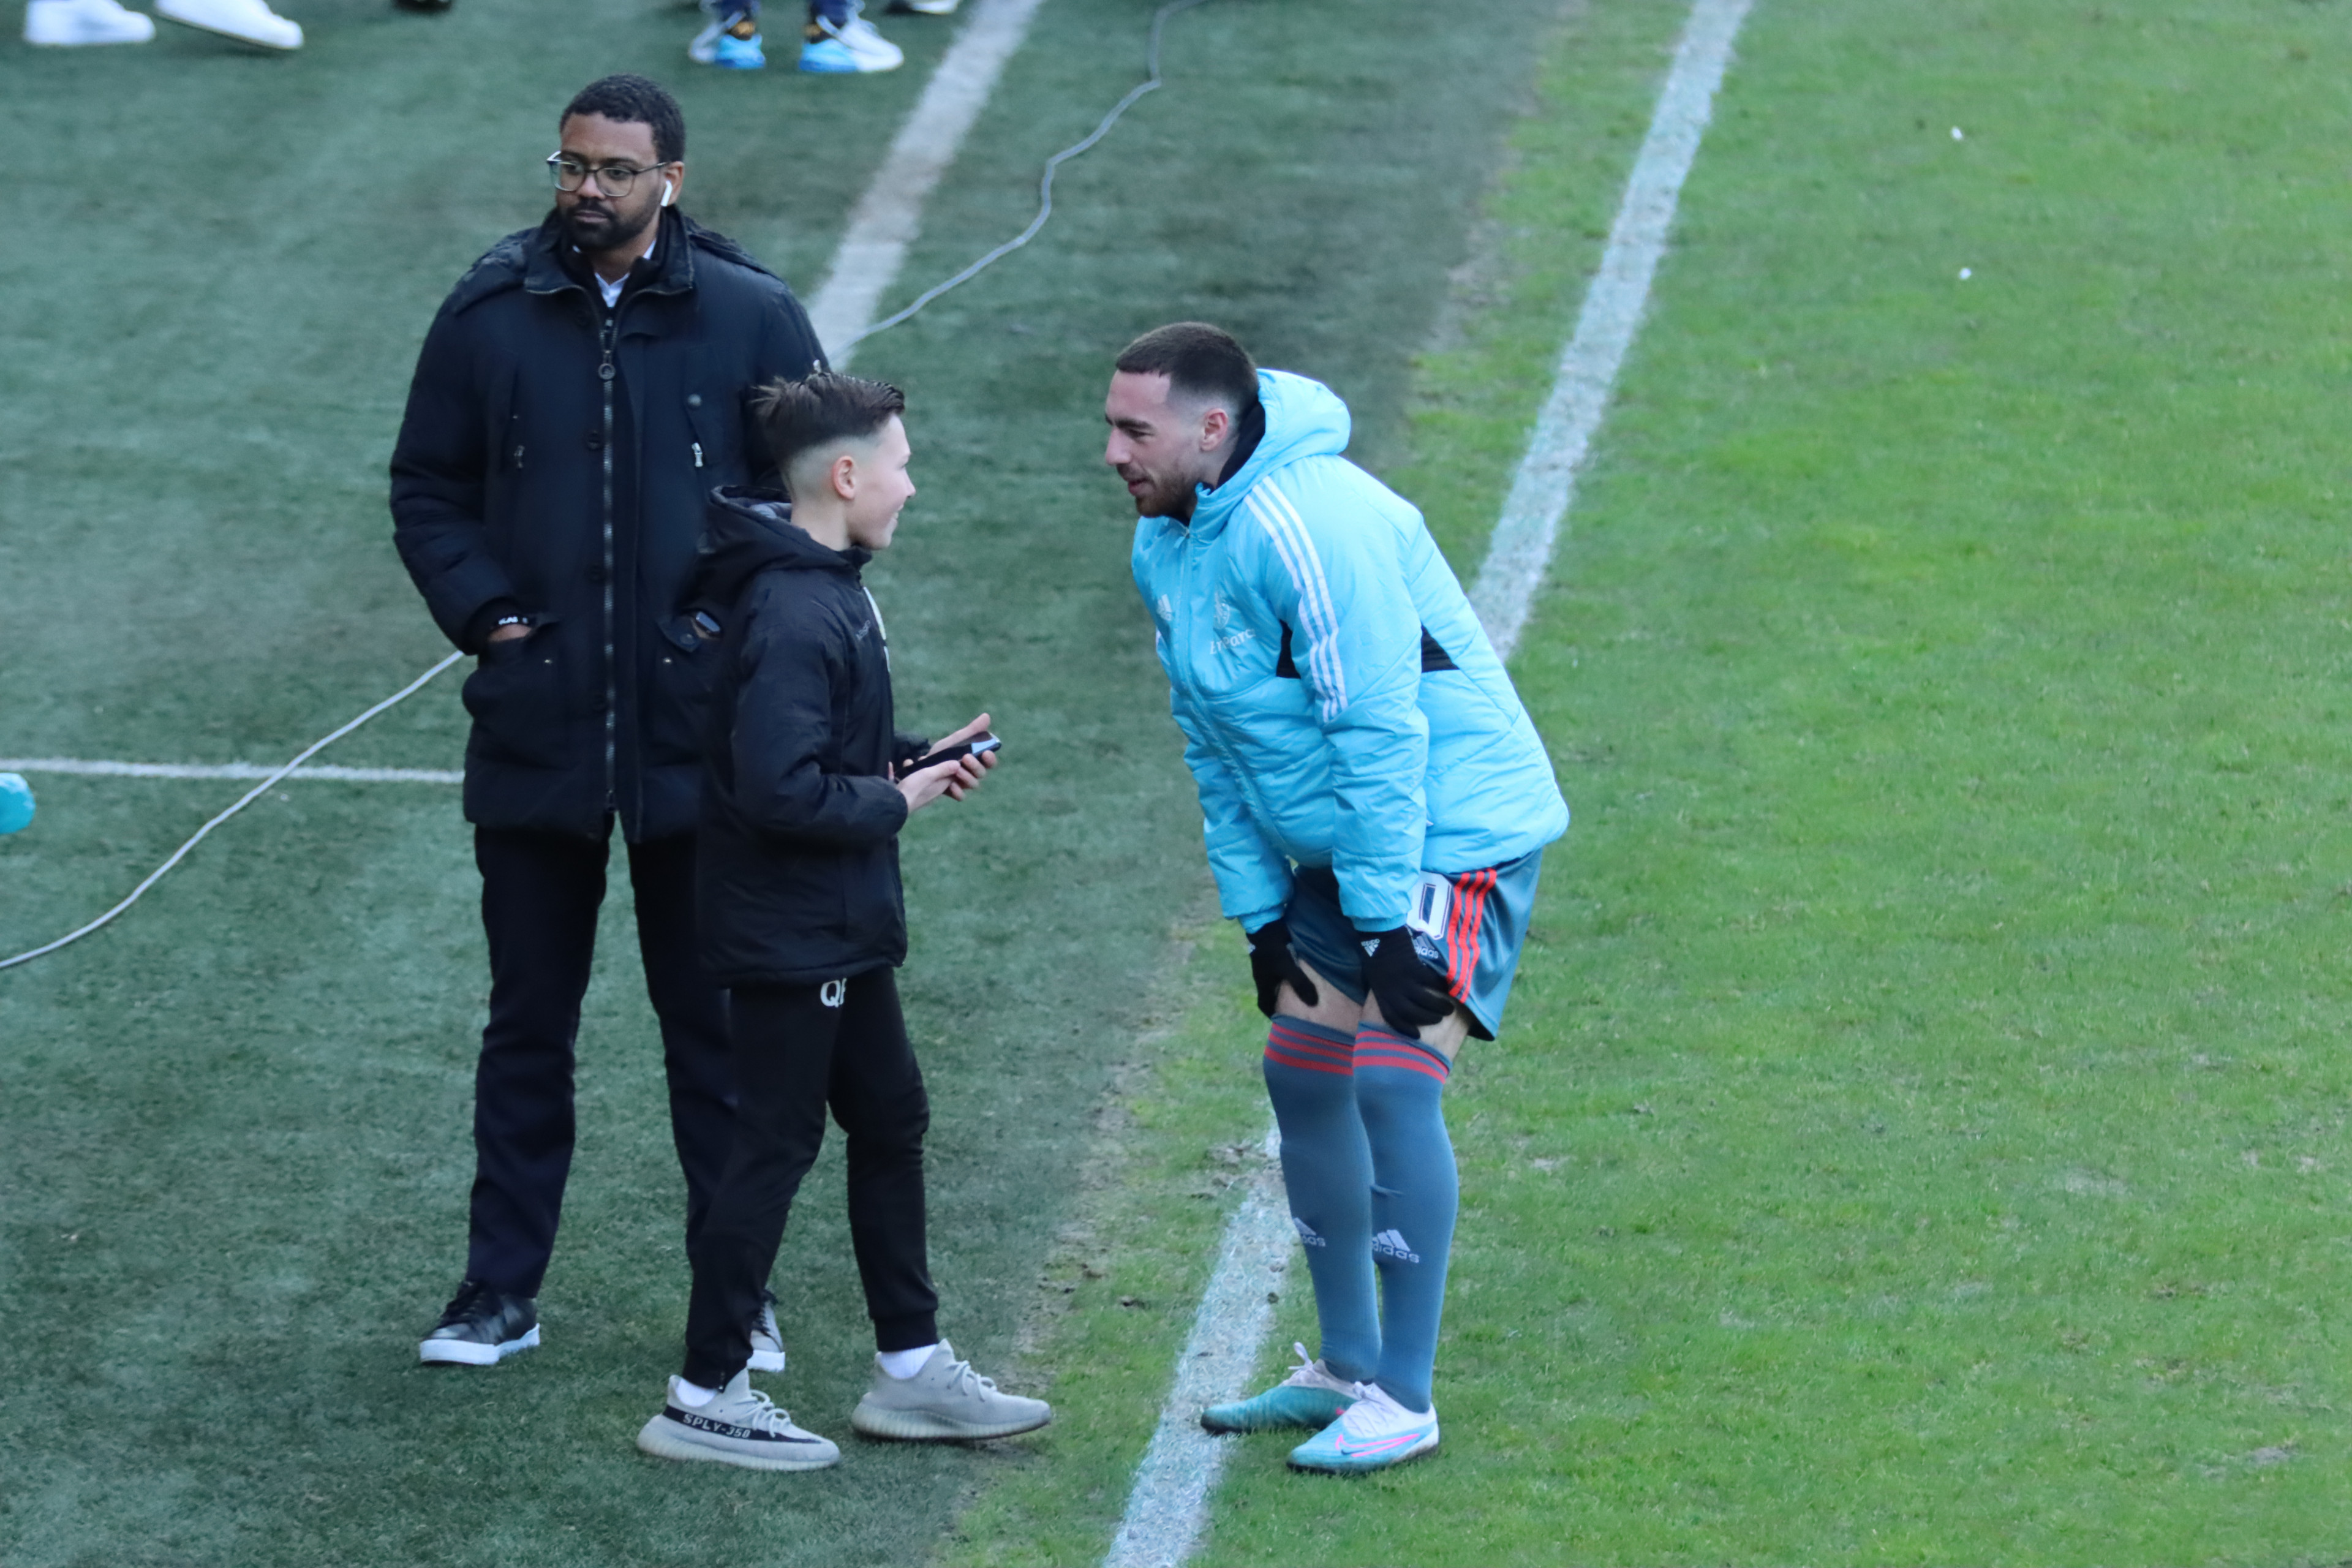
[(255, 793), (83, 768), (1151, 83)]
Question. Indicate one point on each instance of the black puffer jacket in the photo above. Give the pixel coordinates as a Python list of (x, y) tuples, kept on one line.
[(554, 461), (796, 871)]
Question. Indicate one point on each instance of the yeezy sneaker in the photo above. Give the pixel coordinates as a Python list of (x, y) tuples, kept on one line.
[(481, 1328), (70, 24), (848, 47), (1310, 1397), (946, 1401), (740, 1427), (922, 7), (767, 1339), (1373, 1434), (247, 21)]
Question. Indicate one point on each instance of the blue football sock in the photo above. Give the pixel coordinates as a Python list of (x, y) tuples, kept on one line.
[(1400, 1094), (1327, 1170)]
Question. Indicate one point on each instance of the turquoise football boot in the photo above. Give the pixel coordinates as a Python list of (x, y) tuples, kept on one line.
[(1373, 1434), (1310, 1398)]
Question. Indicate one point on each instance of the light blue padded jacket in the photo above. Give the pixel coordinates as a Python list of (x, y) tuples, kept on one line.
[(1375, 759)]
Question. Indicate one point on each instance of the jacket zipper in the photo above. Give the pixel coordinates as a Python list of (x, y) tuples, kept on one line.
[(606, 372), (1210, 726)]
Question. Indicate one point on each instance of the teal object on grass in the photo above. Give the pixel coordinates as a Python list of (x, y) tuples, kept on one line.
[(16, 804)]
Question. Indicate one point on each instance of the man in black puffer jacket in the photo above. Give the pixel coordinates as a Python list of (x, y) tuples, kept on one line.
[(801, 914), (583, 389)]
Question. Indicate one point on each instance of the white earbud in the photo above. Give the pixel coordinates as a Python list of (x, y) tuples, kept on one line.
[(669, 190)]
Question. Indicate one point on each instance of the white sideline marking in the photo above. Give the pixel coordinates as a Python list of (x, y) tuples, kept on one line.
[(1520, 553), (889, 214), (1168, 1500), (1167, 1507), (224, 771)]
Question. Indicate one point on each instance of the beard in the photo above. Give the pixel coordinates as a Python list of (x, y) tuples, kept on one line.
[(596, 226), (1163, 496)]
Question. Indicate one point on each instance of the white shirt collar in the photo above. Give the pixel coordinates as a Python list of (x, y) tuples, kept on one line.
[(612, 291)]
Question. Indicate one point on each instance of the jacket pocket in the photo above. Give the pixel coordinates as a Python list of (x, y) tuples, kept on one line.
[(712, 448), (516, 698), (684, 664), (873, 912)]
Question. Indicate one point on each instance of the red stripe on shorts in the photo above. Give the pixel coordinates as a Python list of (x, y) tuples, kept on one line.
[(1469, 914)]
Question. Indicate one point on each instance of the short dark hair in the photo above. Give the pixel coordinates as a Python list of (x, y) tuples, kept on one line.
[(1199, 361), (635, 99), (821, 409)]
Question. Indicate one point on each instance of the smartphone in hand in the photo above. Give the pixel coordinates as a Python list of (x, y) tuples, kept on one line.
[(978, 745)]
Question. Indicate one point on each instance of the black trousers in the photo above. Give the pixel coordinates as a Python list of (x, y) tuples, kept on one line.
[(541, 892), (799, 1049)]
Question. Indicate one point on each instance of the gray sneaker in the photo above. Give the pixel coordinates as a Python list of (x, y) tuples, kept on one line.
[(740, 1427), (945, 1402)]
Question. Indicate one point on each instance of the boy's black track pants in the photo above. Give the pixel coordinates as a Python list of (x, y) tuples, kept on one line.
[(795, 1057)]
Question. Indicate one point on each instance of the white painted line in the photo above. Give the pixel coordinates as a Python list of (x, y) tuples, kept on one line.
[(889, 214), (1169, 1502), (1520, 551), (226, 770)]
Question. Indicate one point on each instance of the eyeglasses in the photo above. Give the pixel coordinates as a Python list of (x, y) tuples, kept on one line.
[(612, 179)]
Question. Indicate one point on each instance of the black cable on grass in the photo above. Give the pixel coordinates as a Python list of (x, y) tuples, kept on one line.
[(1151, 83)]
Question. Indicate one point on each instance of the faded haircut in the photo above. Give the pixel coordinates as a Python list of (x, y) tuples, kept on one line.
[(629, 99), (821, 410), (1203, 363)]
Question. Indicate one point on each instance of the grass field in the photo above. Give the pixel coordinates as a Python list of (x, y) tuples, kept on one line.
[(1920, 1134)]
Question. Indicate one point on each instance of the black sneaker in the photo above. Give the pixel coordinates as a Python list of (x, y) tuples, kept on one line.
[(767, 1339), (481, 1328)]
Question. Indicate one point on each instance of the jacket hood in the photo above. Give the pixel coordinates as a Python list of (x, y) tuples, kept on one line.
[(1304, 419), (747, 532)]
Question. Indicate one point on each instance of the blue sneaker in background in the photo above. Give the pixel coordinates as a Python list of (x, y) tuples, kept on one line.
[(731, 39)]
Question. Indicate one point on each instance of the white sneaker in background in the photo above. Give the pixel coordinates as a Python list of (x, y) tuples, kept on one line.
[(850, 47), (922, 7), (247, 21), (70, 24)]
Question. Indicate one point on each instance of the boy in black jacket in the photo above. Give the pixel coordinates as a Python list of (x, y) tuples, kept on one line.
[(800, 914)]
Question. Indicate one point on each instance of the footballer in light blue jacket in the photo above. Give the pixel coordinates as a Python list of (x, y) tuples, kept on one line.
[(1376, 804)]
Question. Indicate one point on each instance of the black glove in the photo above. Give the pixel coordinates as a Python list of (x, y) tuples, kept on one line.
[(1271, 964), (1412, 994)]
